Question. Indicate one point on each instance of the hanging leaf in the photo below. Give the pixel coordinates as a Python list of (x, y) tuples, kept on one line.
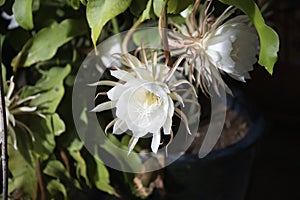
[(158, 6), (269, 40), (147, 12), (45, 43), (99, 12), (98, 174), (22, 10), (81, 167)]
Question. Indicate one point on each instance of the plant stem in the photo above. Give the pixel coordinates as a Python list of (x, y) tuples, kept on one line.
[(129, 33), (163, 25), (3, 130)]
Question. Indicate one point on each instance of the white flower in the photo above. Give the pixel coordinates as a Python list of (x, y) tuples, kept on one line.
[(215, 46), (14, 105), (144, 102)]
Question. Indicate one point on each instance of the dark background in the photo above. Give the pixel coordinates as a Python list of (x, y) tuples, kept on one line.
[(276, 172)]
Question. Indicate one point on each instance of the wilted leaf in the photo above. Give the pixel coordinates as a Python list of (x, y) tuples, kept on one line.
[(269, 40), (54, 187), (99, 12), (22, 10), (45, 43)]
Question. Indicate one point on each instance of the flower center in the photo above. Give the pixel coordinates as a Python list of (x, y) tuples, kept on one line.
[(151, 99)]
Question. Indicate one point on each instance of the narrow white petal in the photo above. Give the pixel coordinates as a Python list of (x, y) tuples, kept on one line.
[(115, 92), (103, 106), (106, 83), (119, 127), (132, 144), (167, 126), (122, 75), (155, 142)]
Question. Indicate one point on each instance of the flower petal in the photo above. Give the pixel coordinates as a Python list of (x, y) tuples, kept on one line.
[(103, 106), (121, 75), (132, 144), (155, 142), (119, 127)]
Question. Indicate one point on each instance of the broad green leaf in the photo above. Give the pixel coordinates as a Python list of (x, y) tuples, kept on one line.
[(45, 43), (147, 12), (54, 187), (120, 155), (23, 173), (176, 6), (149, 37), (58, 125), (99, 12), (50, 89), (137, 6), (22, 10), (158, 6), (44, 131), (2, 2), (57, 170), (98, 174), (269, 40)]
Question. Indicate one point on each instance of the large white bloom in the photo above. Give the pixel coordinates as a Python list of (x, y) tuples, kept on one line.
[(143, 100), (215, 47)]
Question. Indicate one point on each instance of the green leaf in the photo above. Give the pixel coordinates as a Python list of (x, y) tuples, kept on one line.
[(2, 2), (57, 170), (120, 155), (269, 40), (54, 187), (99, 174), (50, 89), (177, 6), (137, 6), (149, 37), (75, 4), (147, 12), (23, 173), (81, 168), (46, 42), (99, 12), (158, 6), (58, 125), (22, 10)]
